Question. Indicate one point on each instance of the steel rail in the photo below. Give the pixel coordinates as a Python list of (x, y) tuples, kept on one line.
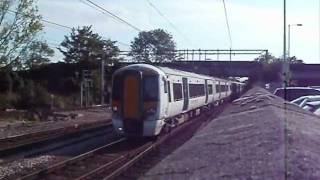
[(17, 141), (45, 171)]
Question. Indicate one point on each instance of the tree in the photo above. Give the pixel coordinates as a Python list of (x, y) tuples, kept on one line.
[(267, 59), (295, 60), (37, 54), (19, 29), (84, 45), (153, 46)]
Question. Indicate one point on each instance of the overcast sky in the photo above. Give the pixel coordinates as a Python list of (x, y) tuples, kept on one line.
[(254, 24)]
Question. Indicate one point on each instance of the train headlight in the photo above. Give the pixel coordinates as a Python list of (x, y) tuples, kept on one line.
[(114, 108), (151, 111)]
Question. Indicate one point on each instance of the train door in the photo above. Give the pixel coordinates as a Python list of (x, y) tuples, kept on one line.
[(165, 101), (206, 90), (131, 96), (132, 103), (226, 89), (219, 89), (185, 93)]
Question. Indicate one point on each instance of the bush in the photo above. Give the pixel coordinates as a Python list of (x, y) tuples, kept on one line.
[(33, 95), (5, 81), (7, 100)]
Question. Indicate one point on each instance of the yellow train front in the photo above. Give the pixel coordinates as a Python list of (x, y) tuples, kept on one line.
[(136, 100)]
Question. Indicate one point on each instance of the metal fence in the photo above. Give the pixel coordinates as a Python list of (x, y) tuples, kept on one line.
[(205, 54)]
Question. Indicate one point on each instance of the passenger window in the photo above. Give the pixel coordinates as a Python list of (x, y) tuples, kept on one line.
[(218, 88), (177, 91), (196, 90)]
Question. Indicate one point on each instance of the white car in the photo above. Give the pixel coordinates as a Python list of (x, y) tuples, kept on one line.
[(301, 101), (310, 103)]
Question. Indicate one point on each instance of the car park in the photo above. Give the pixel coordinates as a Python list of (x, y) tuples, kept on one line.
[(292, 93)]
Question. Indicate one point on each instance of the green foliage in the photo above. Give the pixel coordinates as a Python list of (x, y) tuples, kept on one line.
[(37, 54), (267, 59), (153, 46), (295, 60), (7, 100), (5, 81), (33, 95), (20, 25), (17, 82), (69, 85), (84, 45), (270, 59), (272, 68), (21, 93)]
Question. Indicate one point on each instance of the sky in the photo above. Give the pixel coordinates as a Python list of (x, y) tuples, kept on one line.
[(201, 24)]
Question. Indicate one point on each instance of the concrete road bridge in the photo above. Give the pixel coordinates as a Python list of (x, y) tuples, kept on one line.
[(304, 74), (226, 63)]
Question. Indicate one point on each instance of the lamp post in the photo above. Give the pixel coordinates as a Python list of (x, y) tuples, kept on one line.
[(105, 54), (289, 38), (285, 64)]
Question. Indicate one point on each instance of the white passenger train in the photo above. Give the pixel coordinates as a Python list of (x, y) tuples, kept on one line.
[(147, 99)]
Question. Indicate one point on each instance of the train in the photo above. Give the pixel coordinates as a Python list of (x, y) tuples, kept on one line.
[(147, 99)]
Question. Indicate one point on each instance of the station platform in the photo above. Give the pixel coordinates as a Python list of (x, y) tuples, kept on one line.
[(259, 136)]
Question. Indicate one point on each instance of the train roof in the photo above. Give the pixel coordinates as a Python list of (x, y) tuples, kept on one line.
[(170, 71)]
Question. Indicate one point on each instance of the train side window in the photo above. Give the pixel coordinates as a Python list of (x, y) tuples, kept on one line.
[(169, 91), (210, 89), (196, 90), (218, 88), (222, 88), (177, 91)]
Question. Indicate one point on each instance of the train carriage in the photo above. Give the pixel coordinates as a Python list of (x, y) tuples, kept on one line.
[(146, 98)]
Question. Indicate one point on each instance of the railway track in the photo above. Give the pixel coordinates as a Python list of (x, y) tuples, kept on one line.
[(113, 159), (12, 144)]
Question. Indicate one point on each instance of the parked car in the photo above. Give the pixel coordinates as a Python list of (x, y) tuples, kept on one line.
[(313, 107), (293, 93), (310, 103), (301, 101), (315, 87)]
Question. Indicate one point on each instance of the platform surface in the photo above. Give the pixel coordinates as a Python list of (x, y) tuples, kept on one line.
[(258, 136)]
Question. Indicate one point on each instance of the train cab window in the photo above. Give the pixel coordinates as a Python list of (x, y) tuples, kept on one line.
[(169, 91), (177, 91), (210, 89), (150, 88), (117, 87)]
